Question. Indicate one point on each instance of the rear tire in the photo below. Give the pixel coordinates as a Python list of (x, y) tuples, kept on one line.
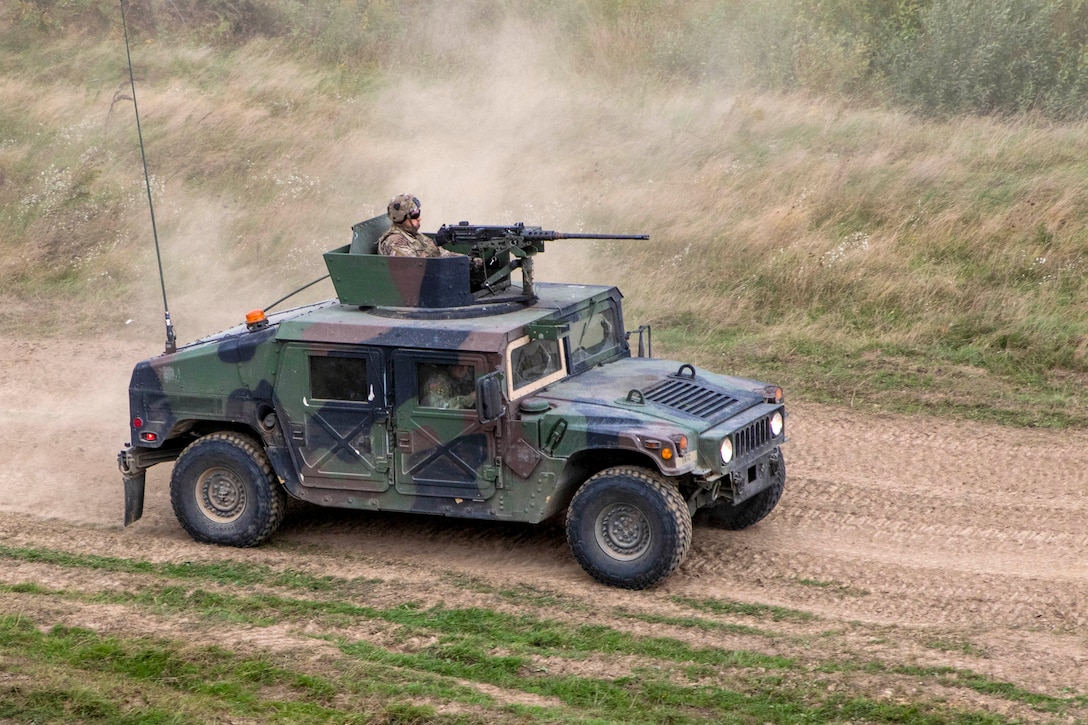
[(223, 491), (734, 518), (628, 527)]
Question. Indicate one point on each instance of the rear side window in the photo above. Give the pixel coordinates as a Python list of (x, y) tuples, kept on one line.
[(339, 378)]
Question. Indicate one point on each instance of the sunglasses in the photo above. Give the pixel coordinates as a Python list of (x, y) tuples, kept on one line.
[(413, 214)]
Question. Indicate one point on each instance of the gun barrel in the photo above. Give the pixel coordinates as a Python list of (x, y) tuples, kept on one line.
[(602, 236), (465, 233)]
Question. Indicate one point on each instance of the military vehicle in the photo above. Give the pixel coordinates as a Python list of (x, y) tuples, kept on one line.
[(438, 386)]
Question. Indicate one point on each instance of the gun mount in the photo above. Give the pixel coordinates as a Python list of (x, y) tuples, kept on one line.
[(364, 278), (506, 248)]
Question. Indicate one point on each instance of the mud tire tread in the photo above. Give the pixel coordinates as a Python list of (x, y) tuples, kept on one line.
[(267, 503), (663, 502)]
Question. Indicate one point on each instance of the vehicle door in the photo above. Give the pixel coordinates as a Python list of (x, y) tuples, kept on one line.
[(335, 404), (442, 449)]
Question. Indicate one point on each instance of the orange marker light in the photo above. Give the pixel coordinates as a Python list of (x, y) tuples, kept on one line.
[(666, 453), (255, 316)]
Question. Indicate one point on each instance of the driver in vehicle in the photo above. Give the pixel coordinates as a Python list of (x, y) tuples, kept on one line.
[(449, 387)]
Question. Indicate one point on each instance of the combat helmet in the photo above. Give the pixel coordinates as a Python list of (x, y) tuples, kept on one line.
[(403, 206)]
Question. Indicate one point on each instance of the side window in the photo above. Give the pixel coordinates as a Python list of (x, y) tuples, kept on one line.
[(532, 364), (339, 378), (448, 386)]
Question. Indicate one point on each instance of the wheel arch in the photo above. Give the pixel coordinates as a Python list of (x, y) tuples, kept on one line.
[(257, 418), (587, 463)]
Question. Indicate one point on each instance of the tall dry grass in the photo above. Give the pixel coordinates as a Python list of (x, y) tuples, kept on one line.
[(787, 229)]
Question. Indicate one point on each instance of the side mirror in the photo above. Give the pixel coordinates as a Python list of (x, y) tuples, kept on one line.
[(489, 405)]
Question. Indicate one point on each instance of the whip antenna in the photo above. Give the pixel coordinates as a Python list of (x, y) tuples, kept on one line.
[(287, 297), (171, 340)]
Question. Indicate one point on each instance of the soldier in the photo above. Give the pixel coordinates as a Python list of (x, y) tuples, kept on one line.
[(403, 238), (450, 387)]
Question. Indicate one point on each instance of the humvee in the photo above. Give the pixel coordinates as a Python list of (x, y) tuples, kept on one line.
[(332, 403)]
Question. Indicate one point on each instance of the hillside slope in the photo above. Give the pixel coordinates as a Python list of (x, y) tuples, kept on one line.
[(857, 255)]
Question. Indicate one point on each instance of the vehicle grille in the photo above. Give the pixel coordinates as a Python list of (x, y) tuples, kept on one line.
[(692, 398), (751, 438)]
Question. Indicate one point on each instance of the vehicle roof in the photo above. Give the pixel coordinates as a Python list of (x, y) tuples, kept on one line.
[(402, 327)]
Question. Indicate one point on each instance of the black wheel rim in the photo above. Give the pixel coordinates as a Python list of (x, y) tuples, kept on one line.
[(622, 531)]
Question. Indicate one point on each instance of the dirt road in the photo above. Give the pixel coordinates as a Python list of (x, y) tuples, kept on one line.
[(938, 532)]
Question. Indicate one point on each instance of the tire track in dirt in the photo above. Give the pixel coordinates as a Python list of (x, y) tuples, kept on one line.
[(916, 523)]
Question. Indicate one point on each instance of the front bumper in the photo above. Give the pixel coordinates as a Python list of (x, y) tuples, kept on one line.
[(747, 481)]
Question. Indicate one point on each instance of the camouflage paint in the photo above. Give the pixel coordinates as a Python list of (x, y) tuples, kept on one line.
[(364, 278), (371, 280), (374, 446)]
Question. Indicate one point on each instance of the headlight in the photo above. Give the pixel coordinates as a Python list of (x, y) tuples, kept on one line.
[(727, 450), (776, 424)]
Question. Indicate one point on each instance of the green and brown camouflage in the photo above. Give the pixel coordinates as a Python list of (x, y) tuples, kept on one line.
[(364, 278), (328, 403)]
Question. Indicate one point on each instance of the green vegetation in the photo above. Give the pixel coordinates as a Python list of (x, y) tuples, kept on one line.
[(328, 658), (819, 215), (937, 57), (844, 197), (750, 610)]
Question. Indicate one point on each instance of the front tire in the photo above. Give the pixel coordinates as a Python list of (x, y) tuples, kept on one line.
[(223, 491), (628, 527)]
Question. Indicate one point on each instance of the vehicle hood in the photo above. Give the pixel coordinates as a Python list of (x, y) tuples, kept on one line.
[(662, 389)]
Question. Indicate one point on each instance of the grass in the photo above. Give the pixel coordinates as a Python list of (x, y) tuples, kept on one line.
[(853, 253), (856, 255), (950, 381), (429, 663)]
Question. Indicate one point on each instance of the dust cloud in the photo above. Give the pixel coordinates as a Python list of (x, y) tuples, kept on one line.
[(501, 127), (515, 135), (508, 132), (64, 417)]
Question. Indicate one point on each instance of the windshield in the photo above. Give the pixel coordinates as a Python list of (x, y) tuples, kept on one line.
[(593, 336)]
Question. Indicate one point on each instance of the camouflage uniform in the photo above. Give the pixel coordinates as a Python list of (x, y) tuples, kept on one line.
[(401, 242), (442, 390), (403, 239)]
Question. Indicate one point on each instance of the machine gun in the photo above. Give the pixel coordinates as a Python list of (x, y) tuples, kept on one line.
[(497, 244), (502, 238)]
